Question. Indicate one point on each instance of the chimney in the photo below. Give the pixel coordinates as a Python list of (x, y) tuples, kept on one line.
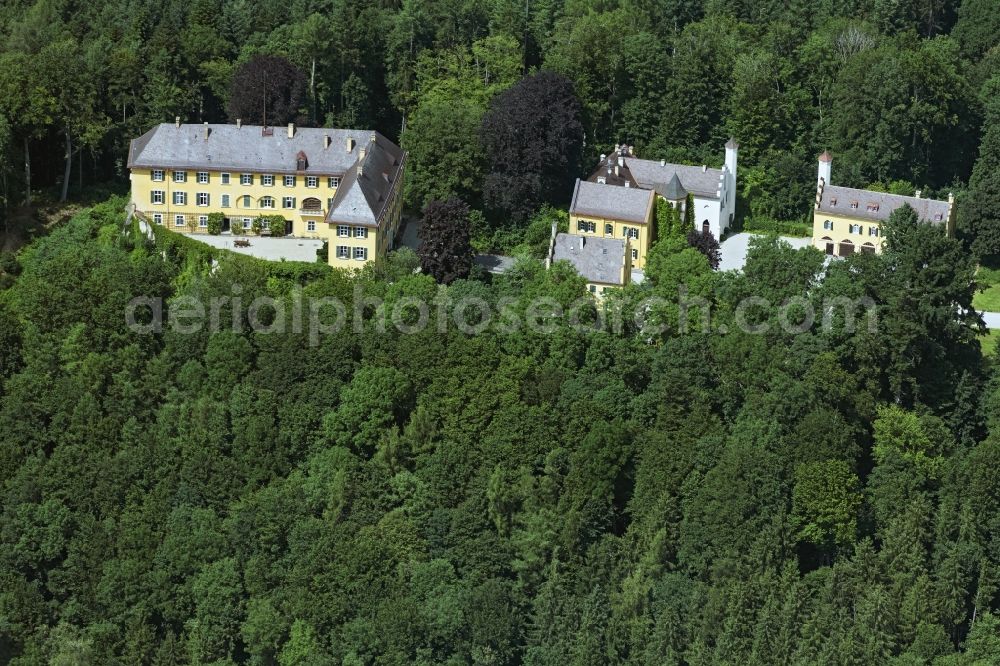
[(207, 131), (616, 170), (663, 163), (291, 130), (360, 169), (825, 167), (704, 168), (621, 160), (361, 154), (603, 157), (626, 183), (350, 144), (918, 193), (177, 121), (239, 123), (326, 141), (583, 241)]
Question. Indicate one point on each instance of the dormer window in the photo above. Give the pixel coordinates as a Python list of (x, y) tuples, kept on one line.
[(938, 217), (854, 205), (872, 207), (833, 201), (301, 162)]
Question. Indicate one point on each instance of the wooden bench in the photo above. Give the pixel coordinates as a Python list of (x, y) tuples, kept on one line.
[(241, 243)]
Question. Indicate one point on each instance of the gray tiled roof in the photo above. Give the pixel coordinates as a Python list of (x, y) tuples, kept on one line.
[(597, 259), (628, 204), (674, 191), (929, 210), (360, 199), (651, 175)]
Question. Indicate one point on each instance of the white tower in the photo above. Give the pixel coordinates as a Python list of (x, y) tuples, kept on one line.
[(825, 166), (729, 205), (732, 148)]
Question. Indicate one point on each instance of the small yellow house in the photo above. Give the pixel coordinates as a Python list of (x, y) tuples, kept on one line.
[(848, 220), (341, 186), (612, 212)]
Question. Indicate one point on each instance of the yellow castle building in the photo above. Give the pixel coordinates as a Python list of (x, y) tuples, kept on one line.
[(625, 213), (848, 220), (341, 186)]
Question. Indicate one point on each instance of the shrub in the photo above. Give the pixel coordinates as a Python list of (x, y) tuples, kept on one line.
[(215, 222), (275, 225)]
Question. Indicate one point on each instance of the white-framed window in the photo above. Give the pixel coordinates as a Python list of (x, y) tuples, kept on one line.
[(361, 253), (224, 178), (203, 221), (267, 180), (855, 228), (267, 202), (586, 225), (246, 179), (202, 177), (854, 205), (329, 203), (635, 254), (180, 176), (180, 198), (289, 181), (247, 222), (312, 181), (343, 231), (828, 225), (157, 196), (593, 289), (246, 201), (361, 232), (630, 232), (333, 181), (310, 225), (202, 198), (157, 218), (609, 230), (225, 201), (178, 220), (288, 202), (158, 175), (873, 231), (343, 252)]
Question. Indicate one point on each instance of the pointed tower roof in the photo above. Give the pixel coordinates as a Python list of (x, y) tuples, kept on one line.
[(732, 143), (826, 156), (674, 190)]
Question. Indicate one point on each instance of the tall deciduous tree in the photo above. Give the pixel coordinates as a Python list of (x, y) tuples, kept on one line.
[(445, 251), (706, 243), (266, 90), (533, 140)]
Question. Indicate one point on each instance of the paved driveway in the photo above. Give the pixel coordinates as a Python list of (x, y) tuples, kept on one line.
[(734, 249), (265, 247)]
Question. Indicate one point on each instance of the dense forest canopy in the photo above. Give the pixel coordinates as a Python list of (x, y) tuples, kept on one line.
[(898, 91), (793, 484), (797, 490)]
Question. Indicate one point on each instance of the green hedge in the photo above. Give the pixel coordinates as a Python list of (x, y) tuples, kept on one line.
[(766, 225)]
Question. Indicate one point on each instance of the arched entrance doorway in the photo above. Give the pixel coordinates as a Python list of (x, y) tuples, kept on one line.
[(828, 242), (868, 248), (705, 227), (846, 248)]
